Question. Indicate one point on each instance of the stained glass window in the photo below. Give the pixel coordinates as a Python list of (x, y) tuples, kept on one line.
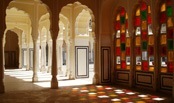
[(122, 40), (144, 38), (166, 37)]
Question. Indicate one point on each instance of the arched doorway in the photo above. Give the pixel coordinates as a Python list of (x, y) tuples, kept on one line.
[(77, 30), (11, 50)]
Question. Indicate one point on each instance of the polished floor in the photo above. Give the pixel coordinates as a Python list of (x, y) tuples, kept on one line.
[(20, 89)]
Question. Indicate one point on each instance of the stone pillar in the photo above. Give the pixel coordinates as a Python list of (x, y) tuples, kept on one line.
[(60, 57), (20, 56), (43, 57), (96, 75), (27, 60), (67, 59), (54, 81), (2, 89), (72, 60), (35, 61), (49, 56)]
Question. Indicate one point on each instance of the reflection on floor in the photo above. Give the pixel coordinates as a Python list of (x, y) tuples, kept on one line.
[(20, 89)]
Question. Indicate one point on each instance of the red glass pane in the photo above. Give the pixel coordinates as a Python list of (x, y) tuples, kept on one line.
[(128, 51), (170, 67), (170, 34), (123, 64), (118, 51), (163, 17), (144, 35), (143, 6), (117, 25), (122, 12), (150, 50), (163, 51), (123, 37), (145, 65), (169, 2), (126, 24), (138, 51), (137, 21), (149, 19)]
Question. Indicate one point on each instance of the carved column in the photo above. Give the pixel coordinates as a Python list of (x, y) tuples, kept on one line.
[(72, 60), (54, 81), (49, 56), (43, 57), (96, 69), (35, 61)]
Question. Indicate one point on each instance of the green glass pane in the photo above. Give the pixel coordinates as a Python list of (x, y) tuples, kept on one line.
[(170, 45), (144, 45), (169, 11), (122, 20), (123, 47), (143, 15)]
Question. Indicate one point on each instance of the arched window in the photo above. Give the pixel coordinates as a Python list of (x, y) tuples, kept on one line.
[(144, 38), (166, 38), (122, 40)]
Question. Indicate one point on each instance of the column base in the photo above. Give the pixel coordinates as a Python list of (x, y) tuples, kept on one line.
[(95, 79), (2, 89), (35, 79), (71, 77), (54, 83)]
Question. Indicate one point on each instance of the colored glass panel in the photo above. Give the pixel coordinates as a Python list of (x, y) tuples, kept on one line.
[(149, 10), (170, 34), (138, 12), (163, 7), (163, 70), (138, 51), (144, 25), (143, 6), (170, 45), (150, 50), (145, 66), (123, 38), (122, 20), (123, 64), (144, 45), (123, 47), (123, 29), (123, 56), (163, 28), (163, 17), (149, 19), (163, 39), (144, 35), (169, 22), (171, 56), (128, 42), (117, 25), (118, 17), (143, 15), (169, 11), (118, 42), (163, 51), (118, 51), (138, 67), (137, 21), (138, 41), (122, 12), (144, 55), (151, 40), (170, 67), (128, 51)]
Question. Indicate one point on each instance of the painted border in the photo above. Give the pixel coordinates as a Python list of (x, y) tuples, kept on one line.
[(108, 49), (87, 61)]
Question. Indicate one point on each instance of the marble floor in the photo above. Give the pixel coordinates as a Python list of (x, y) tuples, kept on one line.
[(20, 89)]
